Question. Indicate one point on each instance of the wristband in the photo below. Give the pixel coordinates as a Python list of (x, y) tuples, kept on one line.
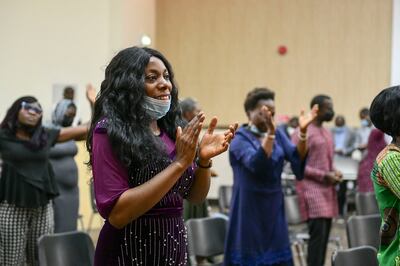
[(302, 136), (203, 166), (271, 136)]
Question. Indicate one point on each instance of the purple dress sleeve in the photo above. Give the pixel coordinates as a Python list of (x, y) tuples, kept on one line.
[(109, 174)]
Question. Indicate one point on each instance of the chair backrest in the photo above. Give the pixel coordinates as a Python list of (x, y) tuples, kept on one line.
[(366, 203), (66, 249), (364, 230), (359, 256), (292, 210), (206, 236), (224, 198), (346, 165)]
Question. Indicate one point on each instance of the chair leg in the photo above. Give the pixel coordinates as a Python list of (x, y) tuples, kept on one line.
[(337, 241), (89, 228), (80, 218), (300, 253)]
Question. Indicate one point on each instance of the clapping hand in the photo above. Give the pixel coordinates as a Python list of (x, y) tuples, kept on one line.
[(339, 175), (333, 177), (187, 139), (306, 119), (90, 93), (213, 144), (269, 119)]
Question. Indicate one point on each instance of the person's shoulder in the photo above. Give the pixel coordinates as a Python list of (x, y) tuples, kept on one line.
[(4, 134), (280, 133), (389, 155), (393, 152), (281, 130), (51, 130), (51, 134), (347, 128), (325, 129), (242, 132), (282, 126), (241, 135), (386, 166), (101, 126), (313, 131)]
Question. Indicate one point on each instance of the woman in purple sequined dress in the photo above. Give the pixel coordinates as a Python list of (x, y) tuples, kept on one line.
[(143, 161)]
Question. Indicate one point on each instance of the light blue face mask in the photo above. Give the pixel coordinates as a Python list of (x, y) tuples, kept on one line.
[(156, 108), (364, 123), (256, 131)]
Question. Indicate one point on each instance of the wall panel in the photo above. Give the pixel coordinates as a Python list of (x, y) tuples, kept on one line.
[(220, 49)]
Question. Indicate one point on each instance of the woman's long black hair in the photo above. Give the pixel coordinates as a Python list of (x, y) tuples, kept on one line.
[(10, 123), (120, 102)]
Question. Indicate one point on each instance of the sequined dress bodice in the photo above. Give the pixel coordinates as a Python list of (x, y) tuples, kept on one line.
[(159, 236)]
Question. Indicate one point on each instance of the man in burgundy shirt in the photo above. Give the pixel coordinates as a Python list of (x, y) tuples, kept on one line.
[(317, 194)]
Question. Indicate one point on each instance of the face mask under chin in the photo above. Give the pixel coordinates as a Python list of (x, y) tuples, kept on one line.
[(155, 108), (254, 129)]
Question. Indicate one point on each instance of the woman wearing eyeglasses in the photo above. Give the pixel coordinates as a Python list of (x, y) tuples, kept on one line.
[(27, 184)]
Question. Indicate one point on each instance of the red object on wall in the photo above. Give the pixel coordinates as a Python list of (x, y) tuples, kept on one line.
[(282, 50)]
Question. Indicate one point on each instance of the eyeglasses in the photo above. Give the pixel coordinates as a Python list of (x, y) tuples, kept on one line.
[(30, 107)]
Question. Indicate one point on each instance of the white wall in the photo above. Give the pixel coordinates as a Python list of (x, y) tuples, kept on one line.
[(130, 19), (395, 71), (44, 42), (223, 169)]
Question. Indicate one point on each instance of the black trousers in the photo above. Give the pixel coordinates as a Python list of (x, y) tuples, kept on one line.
[(318, 229), (341, 196)]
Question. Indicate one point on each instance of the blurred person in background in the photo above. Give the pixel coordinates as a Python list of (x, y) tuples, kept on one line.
[(362, 133), (66, 205), (258, 231), (291, 126), (27, 183), (376, 143), (69, 93), (343, 139), (317, 193), (190, 108)]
